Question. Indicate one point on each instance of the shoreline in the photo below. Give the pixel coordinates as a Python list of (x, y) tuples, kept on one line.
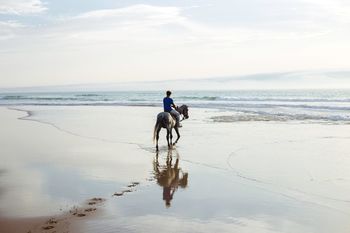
[(222, 115)]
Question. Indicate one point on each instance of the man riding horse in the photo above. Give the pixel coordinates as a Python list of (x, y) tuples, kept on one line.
[(170, 107), (165, 120)]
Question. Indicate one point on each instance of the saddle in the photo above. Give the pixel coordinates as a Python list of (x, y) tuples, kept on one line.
[(173, 116)]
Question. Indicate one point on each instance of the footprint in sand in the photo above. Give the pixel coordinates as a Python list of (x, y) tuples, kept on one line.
[(131, 185), (90, 209), (118, 194), (61, 224), (82, 211), (78, 213), (95, 200), (50, 224), (48, 227)]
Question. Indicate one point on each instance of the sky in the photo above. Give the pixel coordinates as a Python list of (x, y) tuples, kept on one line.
[(62, 42)]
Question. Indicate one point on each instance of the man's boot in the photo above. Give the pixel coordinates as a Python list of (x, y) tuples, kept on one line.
[(178, 124)]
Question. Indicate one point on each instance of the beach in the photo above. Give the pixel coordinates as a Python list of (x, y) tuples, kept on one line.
[(261, 90), (95, 169)]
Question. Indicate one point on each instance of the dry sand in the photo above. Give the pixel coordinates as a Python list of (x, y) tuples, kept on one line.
[(228, 177)]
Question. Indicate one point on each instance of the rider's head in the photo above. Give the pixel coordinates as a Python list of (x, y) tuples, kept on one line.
[(167, 203), (168, 93)]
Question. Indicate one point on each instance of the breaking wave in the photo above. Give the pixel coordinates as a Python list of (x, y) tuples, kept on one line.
[(280, 118), (268, 105)]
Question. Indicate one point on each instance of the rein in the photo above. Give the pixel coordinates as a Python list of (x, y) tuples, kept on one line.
[(180, 110)]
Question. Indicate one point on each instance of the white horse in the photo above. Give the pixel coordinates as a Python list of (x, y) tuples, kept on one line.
[(165, 120)]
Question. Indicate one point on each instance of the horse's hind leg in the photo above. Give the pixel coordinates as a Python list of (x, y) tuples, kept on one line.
[(157, 138)]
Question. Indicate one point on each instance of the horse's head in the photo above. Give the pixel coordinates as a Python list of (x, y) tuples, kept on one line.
[(184, 111)]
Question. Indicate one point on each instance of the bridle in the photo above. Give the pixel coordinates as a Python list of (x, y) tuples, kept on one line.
[(181, 111)]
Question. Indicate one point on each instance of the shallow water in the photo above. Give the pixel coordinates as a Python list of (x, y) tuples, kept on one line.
[(331, 106), (245, 176)]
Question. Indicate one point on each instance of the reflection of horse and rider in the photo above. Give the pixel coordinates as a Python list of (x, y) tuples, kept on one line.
[(169, 119), (170, 176)]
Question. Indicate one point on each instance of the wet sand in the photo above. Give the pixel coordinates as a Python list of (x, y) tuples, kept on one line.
[(222, 176), (67, 221)]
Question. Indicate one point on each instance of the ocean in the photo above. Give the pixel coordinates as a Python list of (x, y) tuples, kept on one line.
[(328, 106)]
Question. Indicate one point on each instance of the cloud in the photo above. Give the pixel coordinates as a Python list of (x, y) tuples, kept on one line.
[(8, 29), (145, 11), (21, 7), (132, 23), (327, 13), (149, 42), (168, 25)]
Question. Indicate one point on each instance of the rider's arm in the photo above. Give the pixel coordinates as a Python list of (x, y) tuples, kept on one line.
[(172, 104)]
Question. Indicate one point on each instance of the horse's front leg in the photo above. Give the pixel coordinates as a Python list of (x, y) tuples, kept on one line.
[(167, 137), (178, 135), (171, 136)]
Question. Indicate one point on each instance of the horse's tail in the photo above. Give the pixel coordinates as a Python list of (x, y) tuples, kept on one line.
[(156, 127), (162, 121)]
